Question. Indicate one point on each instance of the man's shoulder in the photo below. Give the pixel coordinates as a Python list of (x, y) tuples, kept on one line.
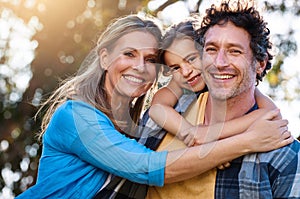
[(294, 145), (276, 158), (292, 148), (283, 157)]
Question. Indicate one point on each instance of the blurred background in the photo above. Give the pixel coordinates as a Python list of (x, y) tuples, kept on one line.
[(44, 41)]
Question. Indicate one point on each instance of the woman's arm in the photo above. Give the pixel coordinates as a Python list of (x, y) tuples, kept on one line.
[(92, 137), (264, 135)]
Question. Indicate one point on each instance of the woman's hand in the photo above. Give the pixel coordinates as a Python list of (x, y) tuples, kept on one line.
[(268, 133)]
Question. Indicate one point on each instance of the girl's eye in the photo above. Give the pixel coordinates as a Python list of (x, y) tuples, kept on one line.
[(190, 60), (174, 68)]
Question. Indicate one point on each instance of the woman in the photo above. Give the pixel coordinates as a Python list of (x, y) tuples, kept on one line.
[(86, 130)]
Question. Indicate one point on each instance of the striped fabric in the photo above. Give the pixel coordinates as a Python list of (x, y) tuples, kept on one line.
[(275, 174)]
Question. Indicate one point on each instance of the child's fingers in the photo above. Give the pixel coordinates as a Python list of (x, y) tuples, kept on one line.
[(224, 166), (191, 142)]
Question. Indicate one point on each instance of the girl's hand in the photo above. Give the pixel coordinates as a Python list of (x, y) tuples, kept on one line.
[(195, 135), (224, 166)]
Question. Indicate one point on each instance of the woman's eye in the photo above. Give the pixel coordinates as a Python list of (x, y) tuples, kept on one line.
[(129, 54), (151, 60)]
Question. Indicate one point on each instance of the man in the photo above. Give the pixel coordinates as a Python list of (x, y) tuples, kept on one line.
[(235, 55), (235, 44)]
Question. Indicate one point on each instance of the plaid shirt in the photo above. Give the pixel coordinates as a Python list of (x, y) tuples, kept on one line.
[(275, 174), (150, 133)]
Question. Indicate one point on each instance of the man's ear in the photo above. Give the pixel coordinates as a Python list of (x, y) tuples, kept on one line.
[(103, 54), (260, 67)]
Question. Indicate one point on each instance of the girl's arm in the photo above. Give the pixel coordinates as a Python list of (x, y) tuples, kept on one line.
[(239, 125), (201, 134), (264, 101), (162, 112)]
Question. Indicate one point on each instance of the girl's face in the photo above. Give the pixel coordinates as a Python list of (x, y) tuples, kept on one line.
[(130, 65), (184, 61)]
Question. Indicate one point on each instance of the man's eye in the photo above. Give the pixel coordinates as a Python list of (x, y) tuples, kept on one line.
[(210, 49), (235, 52)]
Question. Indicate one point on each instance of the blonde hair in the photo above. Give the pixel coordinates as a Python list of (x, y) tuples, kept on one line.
[(88, 84)]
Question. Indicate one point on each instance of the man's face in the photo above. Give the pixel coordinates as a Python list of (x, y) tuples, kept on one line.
[(228, 66)]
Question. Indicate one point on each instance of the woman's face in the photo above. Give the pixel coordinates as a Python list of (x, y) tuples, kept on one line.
[(184, 61), (130, 65)]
